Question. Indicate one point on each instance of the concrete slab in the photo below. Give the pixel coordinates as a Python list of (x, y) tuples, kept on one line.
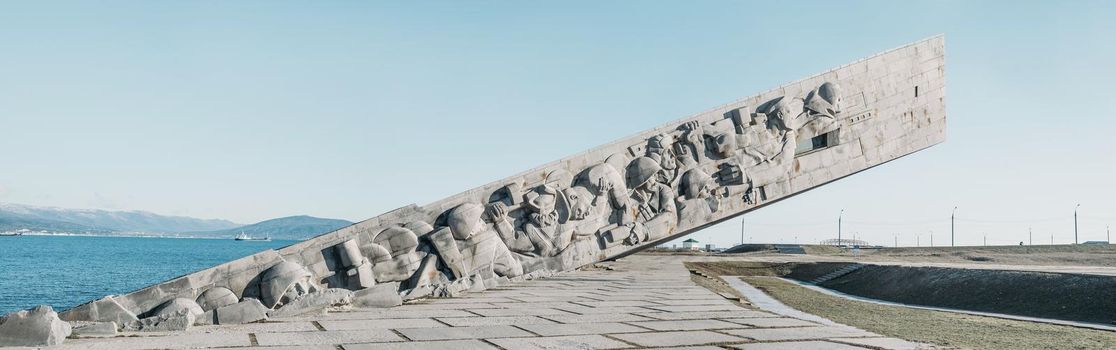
[(884, 343), (619, 317), (772, 322), (680, 338), (567, 342), (385, 323), (185, 341), (741, 313), (798, 345), (266, 327), (327, 337), (799, 333), (694, 308), (581, 328), (687, 325), (479, 332), (525, 310), (465, 344), (493, 321), (388, 313)]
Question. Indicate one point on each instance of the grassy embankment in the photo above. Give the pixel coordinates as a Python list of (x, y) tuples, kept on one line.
[(925, 326)]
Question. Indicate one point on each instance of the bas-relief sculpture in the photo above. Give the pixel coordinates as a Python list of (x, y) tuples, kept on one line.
[(643, 194), (680, 177)]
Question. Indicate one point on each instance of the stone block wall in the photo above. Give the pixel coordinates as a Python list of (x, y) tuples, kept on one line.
[(611, 200)]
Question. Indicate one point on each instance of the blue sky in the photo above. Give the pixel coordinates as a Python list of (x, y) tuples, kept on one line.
[(253, 110)]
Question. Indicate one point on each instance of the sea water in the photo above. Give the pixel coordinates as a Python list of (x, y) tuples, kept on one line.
[(66, 271)]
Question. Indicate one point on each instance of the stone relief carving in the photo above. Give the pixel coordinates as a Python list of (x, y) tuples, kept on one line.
[(671, 181)]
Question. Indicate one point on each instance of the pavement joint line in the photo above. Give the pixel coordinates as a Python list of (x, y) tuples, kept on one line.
[(527, 330), (486, 341), (609, 336), (401, 335), (637, 326), (442, 322)]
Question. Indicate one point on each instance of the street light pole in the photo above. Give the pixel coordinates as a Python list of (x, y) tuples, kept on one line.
[(952, 226), (1075, 223), (931, 238), (839, 217), (1030, 237)]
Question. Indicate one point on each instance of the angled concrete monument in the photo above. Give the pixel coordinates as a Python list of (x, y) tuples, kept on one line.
[(607, 202)]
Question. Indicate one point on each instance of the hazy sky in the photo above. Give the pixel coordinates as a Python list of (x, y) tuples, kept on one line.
[(249, 111)]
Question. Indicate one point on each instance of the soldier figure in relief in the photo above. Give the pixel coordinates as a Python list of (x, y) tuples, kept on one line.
[(653, 200), (482, 251)]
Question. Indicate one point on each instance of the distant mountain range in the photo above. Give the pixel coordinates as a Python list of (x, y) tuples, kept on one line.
[(291, 227), (15, 217)]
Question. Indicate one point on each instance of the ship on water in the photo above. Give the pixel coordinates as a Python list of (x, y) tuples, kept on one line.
[(245, 237)]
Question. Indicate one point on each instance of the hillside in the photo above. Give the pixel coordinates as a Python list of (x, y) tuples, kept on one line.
[(17, 216), (286, 228)]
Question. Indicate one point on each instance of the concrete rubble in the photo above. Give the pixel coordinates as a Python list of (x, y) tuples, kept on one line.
[(180, 320), (315, 302)]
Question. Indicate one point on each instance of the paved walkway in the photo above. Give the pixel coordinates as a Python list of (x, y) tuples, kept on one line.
[(645, 302)]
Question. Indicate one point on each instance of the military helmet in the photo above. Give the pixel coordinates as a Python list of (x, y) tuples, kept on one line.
[(641, 170), (694, 181), (280, 278)]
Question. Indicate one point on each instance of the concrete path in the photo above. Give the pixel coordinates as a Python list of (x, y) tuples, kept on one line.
[(645, 302)]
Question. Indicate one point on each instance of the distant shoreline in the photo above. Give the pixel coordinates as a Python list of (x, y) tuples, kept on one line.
[(132, 236)]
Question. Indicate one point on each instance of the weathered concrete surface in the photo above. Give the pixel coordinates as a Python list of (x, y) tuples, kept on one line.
[(644, 301), (38, 326)]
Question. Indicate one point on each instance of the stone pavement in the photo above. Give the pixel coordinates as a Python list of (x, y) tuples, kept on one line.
[(645, 301)]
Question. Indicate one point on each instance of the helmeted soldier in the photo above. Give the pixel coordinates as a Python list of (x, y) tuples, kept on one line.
[(697, 199), (285, 282), (654, 200)]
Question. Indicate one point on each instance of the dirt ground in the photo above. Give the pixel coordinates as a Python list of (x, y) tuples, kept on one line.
[(935, 327)]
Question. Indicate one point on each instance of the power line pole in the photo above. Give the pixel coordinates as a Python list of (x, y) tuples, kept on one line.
[(985, 239), (1075, 223), (839, 217), (1030, 237), (952, 226), (931, 238)]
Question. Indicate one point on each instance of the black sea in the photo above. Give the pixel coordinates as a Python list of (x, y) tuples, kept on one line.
[(65, 271)]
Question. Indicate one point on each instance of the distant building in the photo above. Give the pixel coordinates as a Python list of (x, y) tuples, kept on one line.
[(691, 244), (709, 247), (1095, 242)]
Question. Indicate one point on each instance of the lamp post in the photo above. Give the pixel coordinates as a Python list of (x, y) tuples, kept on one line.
[(1075, 223), (931, 238), (1030, 237), (839, 217), (952, 225)]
